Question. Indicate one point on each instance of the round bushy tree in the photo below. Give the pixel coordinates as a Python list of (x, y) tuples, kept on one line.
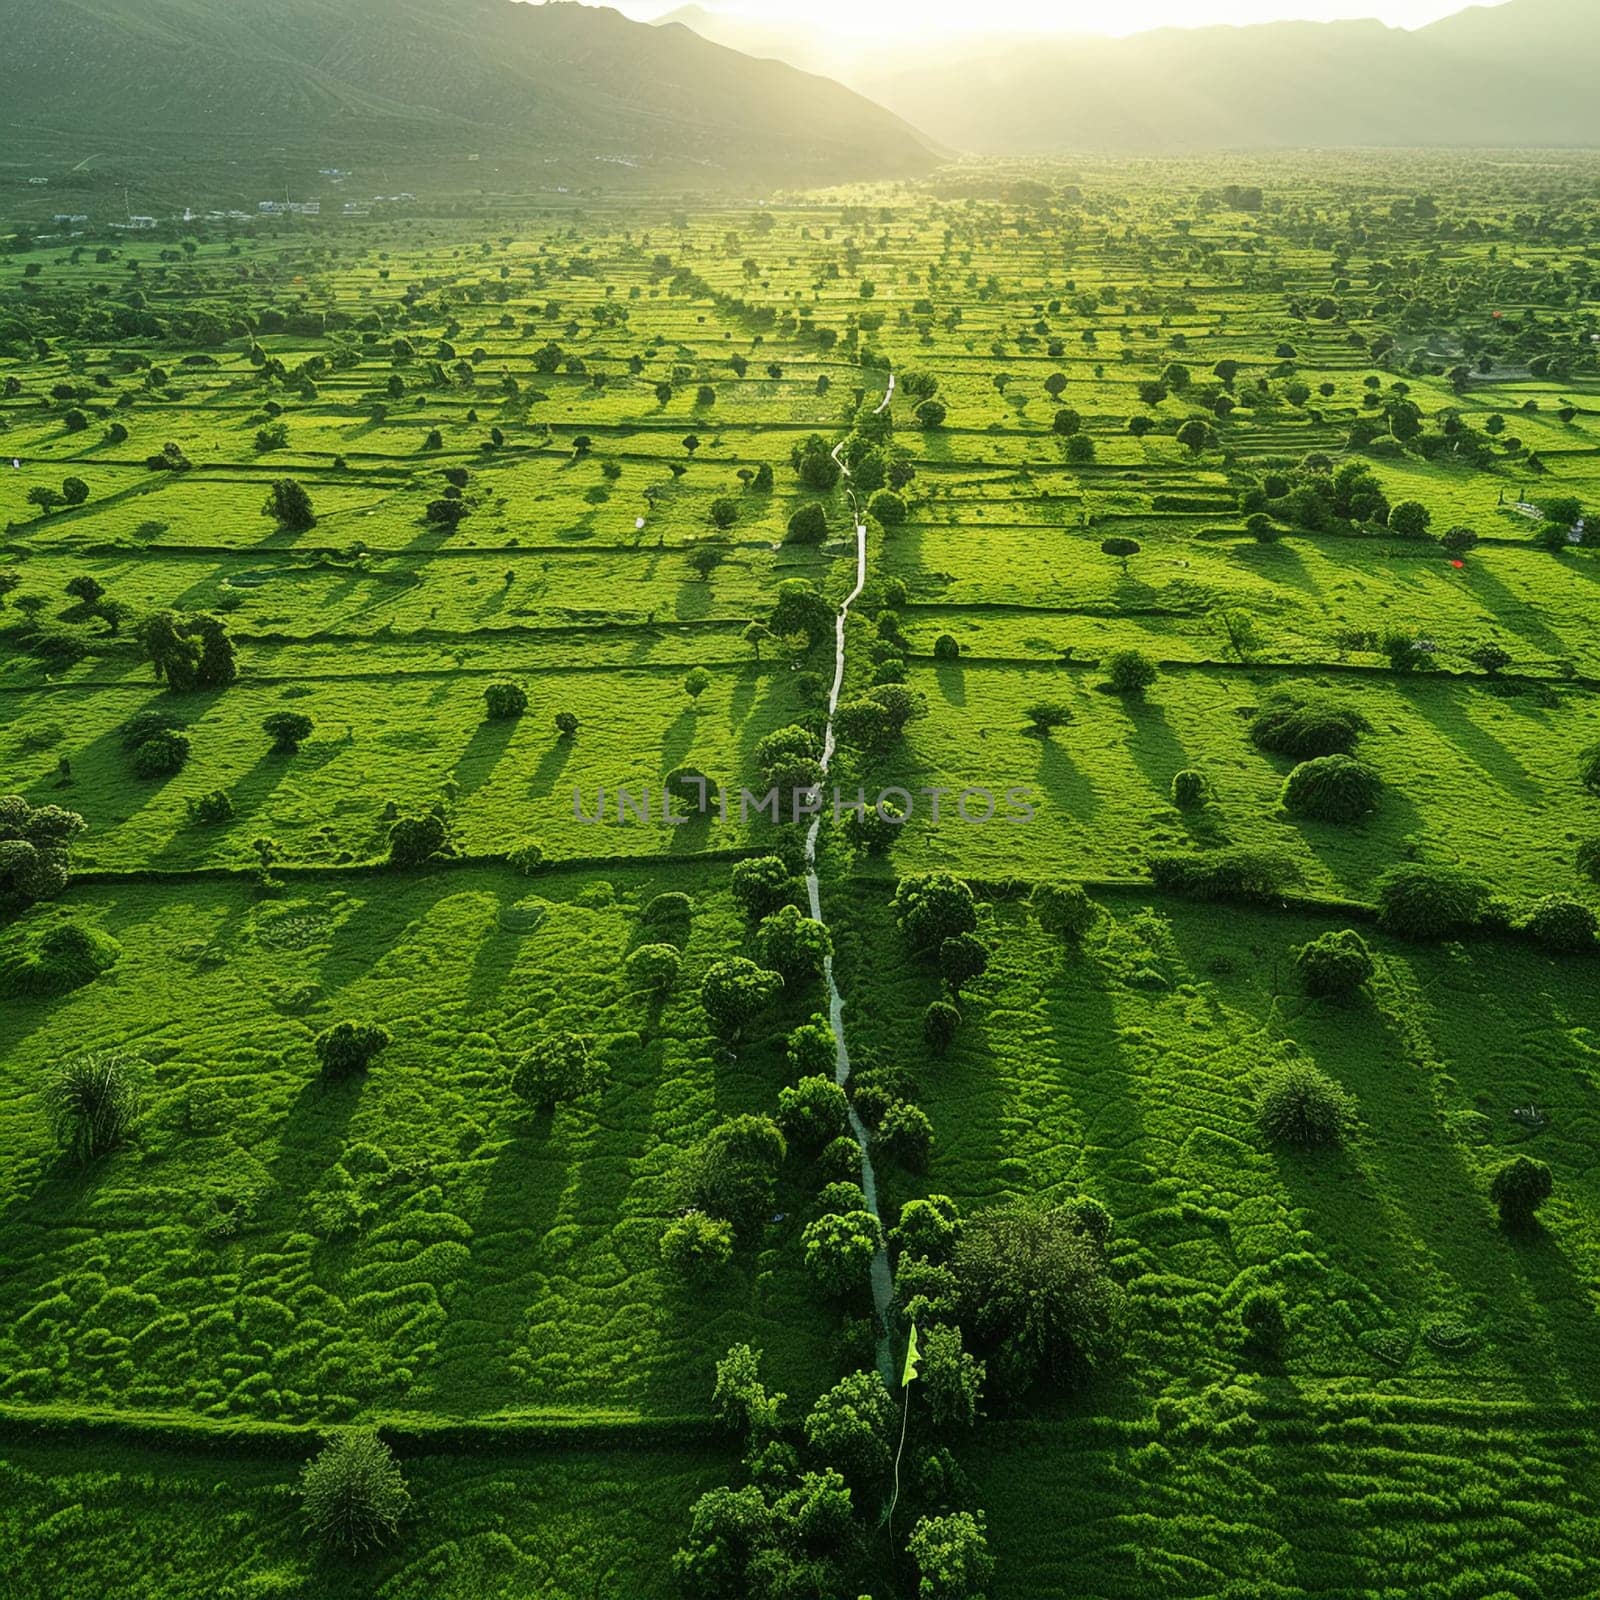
[(414, 840), (793, 945), (1418, 901), (1063, 909), (731, 1171), (352, 1493), (502, 700), (1559, 922), (696, 1247), (808, 525), (761, 884), (931, 907), (1303, 1106), (939, 1025), (734, 993), (904, 1136), (1189, 788), (1334, 963), (812, 1049), (1130, 671), (288, 730), (1519, 1188), (839, 1248), (951, 1553), (349, 1047), (1332, 789), (1304, 725), (927, 1229), (962, 957), (162, 754), (654, 966), (812, 1112), (289, 506), (851, 1428), (557, 1068)]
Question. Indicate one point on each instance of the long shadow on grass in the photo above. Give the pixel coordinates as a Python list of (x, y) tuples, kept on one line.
[(483, 751)]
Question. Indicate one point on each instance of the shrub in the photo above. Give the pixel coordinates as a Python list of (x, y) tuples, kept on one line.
[(1589, 768), (874, 828), (93, 1102), (1043, 715), (905, 1136), (812, 1112), (1306, 725), (840, 1162), (213, 807), (502, 700), (1063, 909), (761, 884), (352, 1493), (839, 1249), (812, 1049), (1189, 788), (1301, 1105), (1417, 901), (349, 1047), (697, 1247), (289, 506), (851, 1428), (952, 1557), (1332, 789), (654, 966), (731, 1171), (1588, 859), (962, 957), (414, 840), (1130, 671), (888, 507), (808, 525), (932, 906), (1261, 1322), (927, 1229), (739, 1400), (162, 754), (794, 946), (952, 1380), (1334, 963), (557, 1068), (61, 958), (1561, 923), (1519, 1188), (566, 723), (1240, 872), (946, 648), (734, 993), (1035, 1293), (939, 1024), (287, 730)]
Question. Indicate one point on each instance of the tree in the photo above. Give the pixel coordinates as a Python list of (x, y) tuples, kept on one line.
[(939, 1024), (1055, 385), (888, 507), (1301, 1105), (695, 683), (1458, 541), (1036, 1293), (34, 848), (1044, 715), (734, 992), (850, 1428), (930, 907), (289, 506), (557, 1068), (288, 730), (813, 1111), (704, 558), (1121, 550), (1332, 789), (808, 525), (93, 1102), (1334, 963), (1410, 519), (724, 512), (654, 967), (1063, 909), (1519, 1188), (567, 724), (931, 414), (1490, 657), (814, 464), (350, 1047), (1418, 901), (839, 1250), (85, 590), (904, 1136), (46, 498), (952, 1557), (740, 1401), (761, 884), (414, 840), (1194, 435), (962, 957), (697, 1247), (74, 491), (952, 1379), (353, 1494), (1130, 671), (794, 946), (730, 1173), (927, 1229), (503, 701)]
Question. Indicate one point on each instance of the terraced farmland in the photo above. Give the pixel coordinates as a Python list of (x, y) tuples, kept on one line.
[(555, 533)]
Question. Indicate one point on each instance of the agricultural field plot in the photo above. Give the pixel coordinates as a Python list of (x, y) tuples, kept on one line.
[(371, 1082)]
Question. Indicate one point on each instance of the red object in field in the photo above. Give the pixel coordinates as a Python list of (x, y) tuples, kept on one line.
[(1497, 315), (1458, 565)]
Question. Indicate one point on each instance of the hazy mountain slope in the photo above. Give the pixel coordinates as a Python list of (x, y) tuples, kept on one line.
[(1521, 73), (344, 76)]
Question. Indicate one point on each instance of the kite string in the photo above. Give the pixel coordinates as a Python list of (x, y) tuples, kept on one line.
[(895, 1500)]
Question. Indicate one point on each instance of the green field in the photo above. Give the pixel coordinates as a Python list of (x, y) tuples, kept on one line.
[(273, 1255)]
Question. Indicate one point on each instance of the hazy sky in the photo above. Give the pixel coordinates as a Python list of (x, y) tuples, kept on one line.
[(1076, 16)]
